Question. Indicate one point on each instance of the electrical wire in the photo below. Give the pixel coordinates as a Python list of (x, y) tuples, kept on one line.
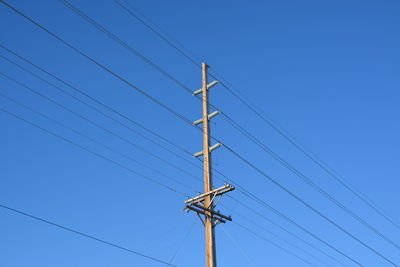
[(183, 118), (11, 114), (264, 117), (84, 234), (290, 167), (152, 29), (273, 243), (89, 97), (309, 206), (47, 117), (338, 178), (94, 140), (239, 247), (106, 115), (23, 85), (276, 236), (120, 165), (132, 50), (52, 75), (283, 229), (128, 8), (129, 84), (182, 241), (124, 44), (266, 205), (307, 180), (99, 126)]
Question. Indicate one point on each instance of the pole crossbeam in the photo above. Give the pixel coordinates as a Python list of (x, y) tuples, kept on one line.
[(215, 192), (213, 212), (216, 215)]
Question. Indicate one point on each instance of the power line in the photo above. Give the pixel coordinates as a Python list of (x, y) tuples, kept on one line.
[(182, 241), (127, 46), (258, 200), (108, 116), (314, 159), (99, 126), (247, 134), (273, 243), (309, 155), (239, 156), (112, 161), (264, 117), (155, 31), (118, 164), (34, 65), (124, 44), (129, 84), (84, 234), (183, 118), (93, 140), (165, 39), (89, 97), (80, 13), (19, 56), (266, 205), (276, 236), (306, 179), (309, 206), (241, 249), (263, 203), (283, 229), (359, 194), (90, 151), (155, 100)]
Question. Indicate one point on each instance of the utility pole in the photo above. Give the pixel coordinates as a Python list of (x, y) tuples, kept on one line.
[(210, 232), (204, 204)]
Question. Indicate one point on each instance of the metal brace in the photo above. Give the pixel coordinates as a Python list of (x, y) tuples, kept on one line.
[(201, 219)]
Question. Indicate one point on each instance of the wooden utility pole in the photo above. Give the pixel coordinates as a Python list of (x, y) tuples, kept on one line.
[(209, 224), (204, 204)]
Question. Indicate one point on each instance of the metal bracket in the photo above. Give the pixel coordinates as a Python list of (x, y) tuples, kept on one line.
[(208, 87), (218, 222), (201, 219), (210, 116), (218, 200), (212, 148)]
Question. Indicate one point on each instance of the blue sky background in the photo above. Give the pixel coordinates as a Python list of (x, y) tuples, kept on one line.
[(327, 71)]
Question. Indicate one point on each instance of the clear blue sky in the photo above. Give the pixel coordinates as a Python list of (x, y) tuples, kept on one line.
[(327, 71)]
